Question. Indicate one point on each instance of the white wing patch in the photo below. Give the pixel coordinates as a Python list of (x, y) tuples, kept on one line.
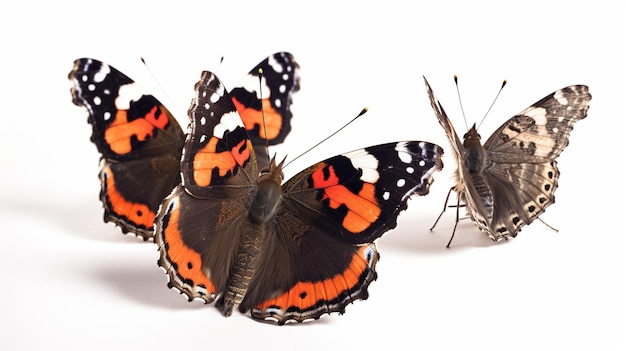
[(127, 94), (367, 163)]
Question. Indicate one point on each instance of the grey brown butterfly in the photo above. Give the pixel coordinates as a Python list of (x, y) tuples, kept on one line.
[(510, 180)]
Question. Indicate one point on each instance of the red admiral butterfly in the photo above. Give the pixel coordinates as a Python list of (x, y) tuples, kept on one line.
[(283, 253), (141, 142), (510, 180)]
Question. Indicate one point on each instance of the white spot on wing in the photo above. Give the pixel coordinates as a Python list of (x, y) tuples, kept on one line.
[(229, 122), (403, 153), (276, 66), (558, 96), (367, 163), (127, 93), (251, 84), (101, 75), (538, 114)]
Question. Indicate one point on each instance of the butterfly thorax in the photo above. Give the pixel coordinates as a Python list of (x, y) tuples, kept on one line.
[(475, 157), (268, 193)]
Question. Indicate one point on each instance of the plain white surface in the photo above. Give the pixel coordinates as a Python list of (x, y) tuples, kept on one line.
[(72, 282)]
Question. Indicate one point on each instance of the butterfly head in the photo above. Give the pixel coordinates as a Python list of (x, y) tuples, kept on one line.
[(273, 172), (471, 138)]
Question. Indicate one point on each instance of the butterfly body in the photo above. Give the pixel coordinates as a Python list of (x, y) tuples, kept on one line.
[(508, 181), (281, 251)]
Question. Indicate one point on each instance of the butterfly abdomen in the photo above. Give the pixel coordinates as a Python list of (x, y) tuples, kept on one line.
[(244, 268)]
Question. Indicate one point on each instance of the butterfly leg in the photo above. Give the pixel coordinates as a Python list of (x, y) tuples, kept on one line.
[(445, 205), (456, 222)]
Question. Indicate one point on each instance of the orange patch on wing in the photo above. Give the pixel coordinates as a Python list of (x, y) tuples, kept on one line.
[(208, 159), (305, 295), (188, 262), (252, 117), (363, 208), (139, 214), (118, 135)]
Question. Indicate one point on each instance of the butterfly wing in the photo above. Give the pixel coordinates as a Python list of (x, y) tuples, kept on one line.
[(198, 227), (358, 195), (444, 121), (327, 274), (522, 171), (138, 138), (330, 214), (458, 152), (272, 104), (219, 160)]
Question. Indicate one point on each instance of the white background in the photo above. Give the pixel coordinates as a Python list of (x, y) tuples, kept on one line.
[(69, 281)]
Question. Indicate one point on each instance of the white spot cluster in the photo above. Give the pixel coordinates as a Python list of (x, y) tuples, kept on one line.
[(405, 156)]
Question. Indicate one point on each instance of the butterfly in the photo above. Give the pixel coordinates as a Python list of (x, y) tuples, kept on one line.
[(141, 142), (510, 180), (291, 251)]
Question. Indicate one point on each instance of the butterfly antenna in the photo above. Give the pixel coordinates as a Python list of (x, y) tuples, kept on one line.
[(458, 94), (219, 65), (492, 103), (160, 86), (267, 145), (363, 111)]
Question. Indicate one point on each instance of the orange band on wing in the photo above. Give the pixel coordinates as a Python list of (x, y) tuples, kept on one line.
[(252, 117), (208, 159), (118, 135), (363, 208), (188, 262), (139, 214), (306, 295)]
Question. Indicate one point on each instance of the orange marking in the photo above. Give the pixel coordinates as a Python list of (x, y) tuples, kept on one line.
[(188, 262), (119, 133), (304, 295), (208, 159), (252, 117), (138, 214), (363, 208)]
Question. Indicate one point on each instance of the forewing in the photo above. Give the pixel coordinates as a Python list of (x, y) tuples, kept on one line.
[(444, 121), (358, 195), (265, 104), (218, 158), (127, 122), (539, 133)]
